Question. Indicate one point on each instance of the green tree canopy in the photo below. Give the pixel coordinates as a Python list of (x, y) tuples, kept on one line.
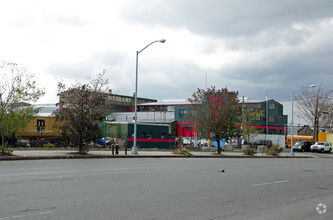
[(17, 85), (215, 111), (248, 121)]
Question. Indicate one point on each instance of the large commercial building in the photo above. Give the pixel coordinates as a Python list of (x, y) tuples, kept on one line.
[(174, 112), (42, 126)]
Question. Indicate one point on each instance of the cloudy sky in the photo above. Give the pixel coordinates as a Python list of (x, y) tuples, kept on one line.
[(257, 47)]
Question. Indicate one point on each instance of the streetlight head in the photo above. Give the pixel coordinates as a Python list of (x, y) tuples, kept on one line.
[(312, 85), (162, 41)]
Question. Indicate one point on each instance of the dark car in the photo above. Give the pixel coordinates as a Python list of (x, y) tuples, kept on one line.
[(302, 146), (267, 143)]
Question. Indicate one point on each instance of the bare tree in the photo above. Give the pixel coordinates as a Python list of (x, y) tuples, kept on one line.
[(327, 121), (313, 104), (82, 107)]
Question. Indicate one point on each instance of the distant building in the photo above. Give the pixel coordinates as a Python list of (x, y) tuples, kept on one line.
[(117, 103), (299, 122), (45, 109), (174, 112), (273, 120)]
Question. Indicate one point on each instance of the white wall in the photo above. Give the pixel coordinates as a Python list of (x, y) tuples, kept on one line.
[(276, 139), (153, 117)]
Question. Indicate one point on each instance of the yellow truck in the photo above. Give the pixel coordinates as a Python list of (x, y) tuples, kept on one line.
[(40, 127), (326, 136)]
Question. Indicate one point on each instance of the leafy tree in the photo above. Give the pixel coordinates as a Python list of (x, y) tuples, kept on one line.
[(16, 86), (215, 111), (313, 104), (82, 107), (248, 120)]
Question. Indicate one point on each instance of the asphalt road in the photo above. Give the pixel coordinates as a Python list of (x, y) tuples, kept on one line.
[(155, 188)]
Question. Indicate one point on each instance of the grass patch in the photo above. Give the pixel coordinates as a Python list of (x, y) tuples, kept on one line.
[(48, 145)]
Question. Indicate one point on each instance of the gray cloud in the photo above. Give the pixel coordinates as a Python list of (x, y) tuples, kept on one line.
[(282, 45), (224, 17)]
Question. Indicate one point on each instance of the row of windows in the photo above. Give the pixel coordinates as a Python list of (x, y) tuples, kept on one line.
[(156, 108), (271, 119), (271, 105)]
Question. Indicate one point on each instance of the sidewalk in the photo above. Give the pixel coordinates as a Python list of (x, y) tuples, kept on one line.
[(66, 154)]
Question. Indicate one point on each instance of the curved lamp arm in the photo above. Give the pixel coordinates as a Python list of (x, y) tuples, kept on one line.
[(161, 41)]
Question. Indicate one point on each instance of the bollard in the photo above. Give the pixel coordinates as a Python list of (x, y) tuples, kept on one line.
[(112, 146), (117, 149), (125, 149)]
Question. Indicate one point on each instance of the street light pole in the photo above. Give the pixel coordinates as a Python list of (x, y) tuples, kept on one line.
[(292, 119), (316, 131), (135, 148)]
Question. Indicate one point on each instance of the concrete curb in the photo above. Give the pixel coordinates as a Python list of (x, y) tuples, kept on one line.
[(10, 158)]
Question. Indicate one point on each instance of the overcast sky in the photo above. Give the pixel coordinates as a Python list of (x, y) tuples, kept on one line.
[(257, 47)]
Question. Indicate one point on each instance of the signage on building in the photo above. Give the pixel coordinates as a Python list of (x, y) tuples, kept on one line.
[(120, 99)]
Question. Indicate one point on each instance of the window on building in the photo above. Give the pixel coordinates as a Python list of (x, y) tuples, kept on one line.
[(271, 105), (171, 108), (182, 112), (271, 119)]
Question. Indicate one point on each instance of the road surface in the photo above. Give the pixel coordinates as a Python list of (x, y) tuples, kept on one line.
[(169, 188)]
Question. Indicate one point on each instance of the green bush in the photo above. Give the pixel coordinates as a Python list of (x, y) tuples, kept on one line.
[(249, 151), (48, 145), (21, 144), (6, 151), (275, 150)]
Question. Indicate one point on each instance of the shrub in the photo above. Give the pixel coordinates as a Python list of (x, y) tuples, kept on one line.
[(275, 150), (86, 148), (182, 151), (249, 151), (21, 144), (6, 151), (48, 145)]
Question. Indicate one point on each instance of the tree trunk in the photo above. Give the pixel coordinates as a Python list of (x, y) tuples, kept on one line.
[(2, 139), (2, 144), (219, 150), (80, 144)]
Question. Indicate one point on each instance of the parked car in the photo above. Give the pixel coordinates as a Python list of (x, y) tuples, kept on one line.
[(267, 143), (199, 143), (321, 147), (195, 143), (203, 142), (302, 146), (186, 140)]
